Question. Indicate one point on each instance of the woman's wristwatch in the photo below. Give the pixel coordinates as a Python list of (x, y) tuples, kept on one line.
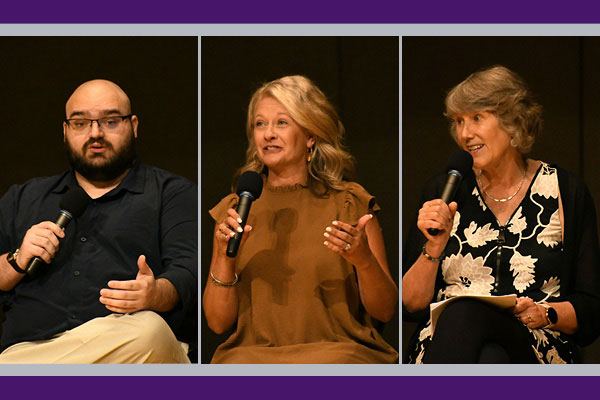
[(551, 315)]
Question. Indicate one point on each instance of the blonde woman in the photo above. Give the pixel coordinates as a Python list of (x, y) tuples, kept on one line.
[(311, 275), (517, 226)]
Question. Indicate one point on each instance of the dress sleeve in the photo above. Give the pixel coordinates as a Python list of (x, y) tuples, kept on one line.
[(219, 212), (354, 202), (581, 271)]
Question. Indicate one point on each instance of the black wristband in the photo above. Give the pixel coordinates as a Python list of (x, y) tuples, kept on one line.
[(12, 260)]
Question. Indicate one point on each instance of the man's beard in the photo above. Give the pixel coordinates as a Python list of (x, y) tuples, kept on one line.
[(111, 168)]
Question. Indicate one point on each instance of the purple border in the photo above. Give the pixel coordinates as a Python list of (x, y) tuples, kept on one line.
[(304, 11), (207, 387)]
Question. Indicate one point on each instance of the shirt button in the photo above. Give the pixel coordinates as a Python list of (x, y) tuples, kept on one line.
[(73, 316), (76, 273), (83, 239)]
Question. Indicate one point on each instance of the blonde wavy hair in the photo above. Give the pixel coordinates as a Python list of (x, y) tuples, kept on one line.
[(310, 109), (503, 93)]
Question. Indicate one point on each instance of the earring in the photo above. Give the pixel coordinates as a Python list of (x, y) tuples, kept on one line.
[(512, 142), (309, 157)]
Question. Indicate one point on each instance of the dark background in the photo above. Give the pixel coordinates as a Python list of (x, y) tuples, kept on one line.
[(38, 74), (561, 72), (359, 76)]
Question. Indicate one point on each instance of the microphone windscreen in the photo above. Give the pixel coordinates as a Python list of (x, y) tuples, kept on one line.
[(251, 182), (75, 201), (460, 161)]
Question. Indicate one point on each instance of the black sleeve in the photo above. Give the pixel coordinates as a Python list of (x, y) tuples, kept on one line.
[(7, 231), (581, 270), (179, 246)]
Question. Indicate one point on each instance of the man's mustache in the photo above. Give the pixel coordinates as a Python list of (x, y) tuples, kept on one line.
[(101, 142)]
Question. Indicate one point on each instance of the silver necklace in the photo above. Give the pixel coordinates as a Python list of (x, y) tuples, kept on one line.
[(507, 198)]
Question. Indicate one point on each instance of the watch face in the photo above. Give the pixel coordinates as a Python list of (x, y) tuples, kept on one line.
[(552, 315)]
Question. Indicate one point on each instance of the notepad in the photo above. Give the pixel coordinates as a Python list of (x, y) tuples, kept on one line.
[(502, 302)]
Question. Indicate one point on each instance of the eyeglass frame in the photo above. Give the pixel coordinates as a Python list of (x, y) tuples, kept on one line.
[(97, 120)]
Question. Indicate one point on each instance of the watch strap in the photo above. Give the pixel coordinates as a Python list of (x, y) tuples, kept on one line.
[(551, 315), (11, 257)]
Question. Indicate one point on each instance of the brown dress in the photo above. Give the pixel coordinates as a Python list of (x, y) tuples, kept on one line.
[(299, 301)]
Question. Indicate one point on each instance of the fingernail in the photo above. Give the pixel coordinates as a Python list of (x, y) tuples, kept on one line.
[(326, 234), (326, 243), (328, 229), (371, 215), (334, 223), (232, 234), (249, 228), (239, 229), (239, 220)]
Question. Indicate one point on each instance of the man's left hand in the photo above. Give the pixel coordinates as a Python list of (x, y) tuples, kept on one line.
[(133, 295)]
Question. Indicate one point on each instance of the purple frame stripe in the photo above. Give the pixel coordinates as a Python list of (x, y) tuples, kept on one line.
[(305, 11)]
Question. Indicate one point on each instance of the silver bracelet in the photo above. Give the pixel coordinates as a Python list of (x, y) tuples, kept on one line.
[(430, 258), (221, 283)]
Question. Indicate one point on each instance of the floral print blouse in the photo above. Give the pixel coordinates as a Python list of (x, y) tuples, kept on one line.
[(523, 257)]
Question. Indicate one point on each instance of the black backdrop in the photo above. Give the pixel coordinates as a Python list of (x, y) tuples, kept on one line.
[(38, 74), (561, 71), (359, 75)]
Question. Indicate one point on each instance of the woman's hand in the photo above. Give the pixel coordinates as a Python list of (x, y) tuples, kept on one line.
[(418, 283), (227, 230), (530, 313), (220, 302), (350, 242), (436, 214), (363, 247)]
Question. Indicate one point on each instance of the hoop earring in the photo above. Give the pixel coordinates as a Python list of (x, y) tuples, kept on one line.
[(309, 157), (512, 142)]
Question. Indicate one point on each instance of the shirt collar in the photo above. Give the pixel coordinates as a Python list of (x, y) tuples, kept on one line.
[(133, 181)]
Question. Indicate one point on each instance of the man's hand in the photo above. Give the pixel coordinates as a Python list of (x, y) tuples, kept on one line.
[(143, 293), (41, 240)]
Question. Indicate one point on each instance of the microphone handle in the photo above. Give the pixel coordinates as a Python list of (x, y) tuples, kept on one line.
[(454, 178), (36, 262), (243, 209)]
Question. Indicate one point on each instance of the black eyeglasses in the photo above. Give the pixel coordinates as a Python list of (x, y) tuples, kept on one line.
[(107, 123)]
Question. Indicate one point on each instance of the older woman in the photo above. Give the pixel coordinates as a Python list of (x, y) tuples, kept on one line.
[(518, 226), (311, 273)]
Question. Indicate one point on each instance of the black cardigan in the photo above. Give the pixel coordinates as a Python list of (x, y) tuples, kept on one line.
[(580, 272)]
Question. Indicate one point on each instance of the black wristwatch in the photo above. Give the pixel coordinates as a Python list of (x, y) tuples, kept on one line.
[(551, 315), (12, 260)]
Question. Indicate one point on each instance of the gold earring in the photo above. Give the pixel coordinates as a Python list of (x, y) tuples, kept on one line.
[(309, 157)]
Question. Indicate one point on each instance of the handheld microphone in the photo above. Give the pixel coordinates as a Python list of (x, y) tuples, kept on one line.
[(459, 164), (72, 205), (249, 188)]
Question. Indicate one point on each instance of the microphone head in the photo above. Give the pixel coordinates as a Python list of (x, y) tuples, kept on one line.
[(460, 161), (250, 182), (75, 201)]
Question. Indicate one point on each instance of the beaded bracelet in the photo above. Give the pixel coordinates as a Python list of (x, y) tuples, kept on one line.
[(430, 258)]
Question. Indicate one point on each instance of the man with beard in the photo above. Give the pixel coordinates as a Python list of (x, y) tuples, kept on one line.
[(126, 272)]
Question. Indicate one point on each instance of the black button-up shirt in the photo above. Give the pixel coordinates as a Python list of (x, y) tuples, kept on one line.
[(151, 212)]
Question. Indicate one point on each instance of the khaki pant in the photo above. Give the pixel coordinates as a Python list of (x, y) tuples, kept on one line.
[(141, 337)]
